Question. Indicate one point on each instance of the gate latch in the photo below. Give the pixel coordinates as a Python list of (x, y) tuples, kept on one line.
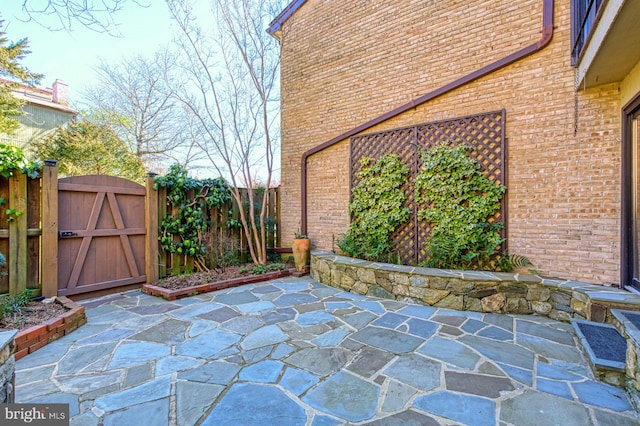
[(67, 234)]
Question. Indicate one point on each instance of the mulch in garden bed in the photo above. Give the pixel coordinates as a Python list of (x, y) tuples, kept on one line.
[(174, 287), (34, 313), (198, 278)]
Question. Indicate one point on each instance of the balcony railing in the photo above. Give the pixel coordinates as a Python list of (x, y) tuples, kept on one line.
[(584, 17)]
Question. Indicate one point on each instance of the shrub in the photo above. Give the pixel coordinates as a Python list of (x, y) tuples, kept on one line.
[(14, 304)]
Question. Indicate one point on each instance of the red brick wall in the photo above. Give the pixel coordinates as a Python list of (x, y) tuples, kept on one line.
[(33, 338)]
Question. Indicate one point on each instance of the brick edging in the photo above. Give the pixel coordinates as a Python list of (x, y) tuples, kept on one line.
[(168, 294), (33, 338)]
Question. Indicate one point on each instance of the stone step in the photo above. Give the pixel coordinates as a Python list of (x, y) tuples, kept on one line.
[(606, 349)]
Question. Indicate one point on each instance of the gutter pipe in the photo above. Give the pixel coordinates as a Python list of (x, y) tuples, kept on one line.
[(547, 34)]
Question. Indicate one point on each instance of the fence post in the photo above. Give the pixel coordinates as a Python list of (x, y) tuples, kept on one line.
[(278, 236), (49, 255), (18, 233), (151, 239)]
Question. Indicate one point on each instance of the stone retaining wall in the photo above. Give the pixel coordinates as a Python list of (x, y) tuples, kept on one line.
[(7, 367), (631, 333), (490, 292)]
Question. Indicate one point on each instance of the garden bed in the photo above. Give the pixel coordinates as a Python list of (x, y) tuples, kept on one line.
[(30, 339), (177, 287), (34, 313)]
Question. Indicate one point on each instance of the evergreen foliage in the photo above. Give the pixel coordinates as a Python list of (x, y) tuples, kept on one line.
[(185, 233), (377, 208), (10, 69), (86, 148), (12, 160), (458, 201)]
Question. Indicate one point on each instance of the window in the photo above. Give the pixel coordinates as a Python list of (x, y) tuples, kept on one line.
[(584, 15)]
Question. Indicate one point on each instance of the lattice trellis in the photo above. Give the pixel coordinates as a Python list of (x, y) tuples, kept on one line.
[(485, 133)]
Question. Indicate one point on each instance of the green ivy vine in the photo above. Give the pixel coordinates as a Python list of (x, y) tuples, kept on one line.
[(12, 160), (458, 201), (377, 208), (192, 197)]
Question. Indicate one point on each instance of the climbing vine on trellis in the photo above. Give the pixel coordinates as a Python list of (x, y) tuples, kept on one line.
[(184, 231), (377, 208), (457, 200)]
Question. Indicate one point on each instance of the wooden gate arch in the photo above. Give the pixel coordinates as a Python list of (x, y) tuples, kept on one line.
[(101, 233)]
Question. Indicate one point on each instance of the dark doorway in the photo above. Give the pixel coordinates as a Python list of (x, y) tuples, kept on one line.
[(630, 255)]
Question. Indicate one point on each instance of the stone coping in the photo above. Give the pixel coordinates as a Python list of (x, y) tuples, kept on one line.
[(169, 294), (7, 339), (632, 332), (33, 338), (480, 291)]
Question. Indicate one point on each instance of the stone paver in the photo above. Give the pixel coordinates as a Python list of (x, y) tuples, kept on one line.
[(295, 352)]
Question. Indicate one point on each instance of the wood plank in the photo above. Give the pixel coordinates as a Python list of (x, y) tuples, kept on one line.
[(162, 212), (151, 239), (102, 285), (34, 220), (103, 232), (124, 239), (31, 232), (86, 242), (34, 281), (271, 211), (176, 258), (75, 187), (18, 234), (278, 236)]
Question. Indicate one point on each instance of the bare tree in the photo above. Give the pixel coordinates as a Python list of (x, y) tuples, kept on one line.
[(229, 82), (96, 15), (135, 97)]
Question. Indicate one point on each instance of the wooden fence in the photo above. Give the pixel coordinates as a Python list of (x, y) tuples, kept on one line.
[(20, 232), (220, 235), (29, 237)]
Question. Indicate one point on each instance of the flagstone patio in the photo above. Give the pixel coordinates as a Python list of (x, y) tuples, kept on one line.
[(295, 352)]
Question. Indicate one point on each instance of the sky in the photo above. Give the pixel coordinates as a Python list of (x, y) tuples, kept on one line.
[(72, 55)]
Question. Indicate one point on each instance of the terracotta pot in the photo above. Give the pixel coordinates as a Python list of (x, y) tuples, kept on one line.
[(301, 253)]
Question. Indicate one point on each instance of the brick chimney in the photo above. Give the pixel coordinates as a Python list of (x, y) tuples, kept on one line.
[(60, 92)]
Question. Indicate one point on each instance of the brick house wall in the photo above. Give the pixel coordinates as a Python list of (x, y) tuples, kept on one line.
[(345, 63)]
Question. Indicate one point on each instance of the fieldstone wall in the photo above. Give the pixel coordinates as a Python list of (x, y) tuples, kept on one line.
[(631, 333), (7, 367), (490, 292), (633, 370)]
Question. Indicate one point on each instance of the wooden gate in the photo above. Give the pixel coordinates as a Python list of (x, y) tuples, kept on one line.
[(101, 233)]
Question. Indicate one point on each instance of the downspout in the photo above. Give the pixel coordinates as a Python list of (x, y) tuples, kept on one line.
[(547, 34)]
